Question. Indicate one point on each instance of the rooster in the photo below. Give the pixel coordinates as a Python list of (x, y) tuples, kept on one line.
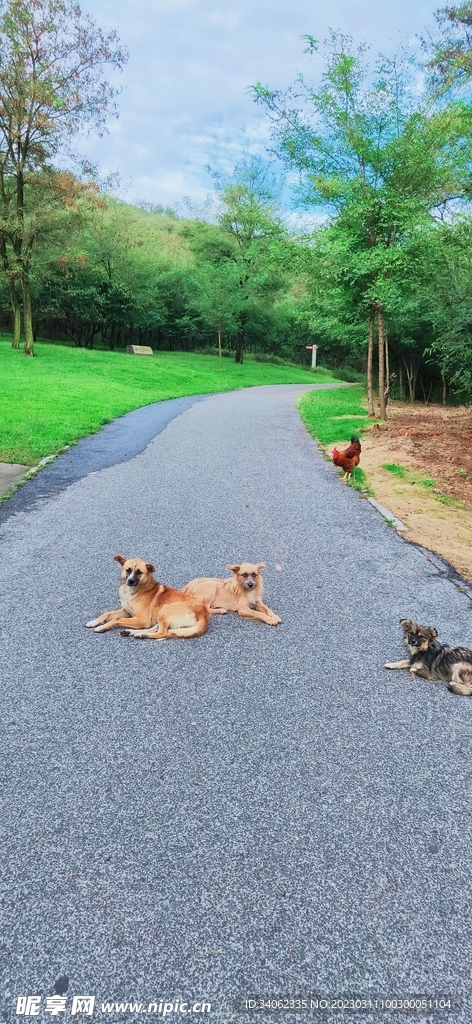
[(349, 458)]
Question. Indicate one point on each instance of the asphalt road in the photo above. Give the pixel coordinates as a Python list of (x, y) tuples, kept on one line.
[(257, 811)]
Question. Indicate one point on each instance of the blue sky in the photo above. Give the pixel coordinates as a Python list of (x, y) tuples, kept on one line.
[(184, 102)]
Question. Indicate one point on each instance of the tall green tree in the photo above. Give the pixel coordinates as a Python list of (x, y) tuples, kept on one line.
[(248, 216), (450, 48), (216, 297), (443, 292), (375, 156), (52, 58)]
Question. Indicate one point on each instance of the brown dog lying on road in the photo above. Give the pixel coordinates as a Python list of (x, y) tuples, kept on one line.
[(241, 593), (150, 609)]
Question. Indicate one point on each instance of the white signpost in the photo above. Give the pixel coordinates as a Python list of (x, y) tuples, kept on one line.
[(314, 349)]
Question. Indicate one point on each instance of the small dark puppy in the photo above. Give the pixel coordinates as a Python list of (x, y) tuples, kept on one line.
[(432, 660)]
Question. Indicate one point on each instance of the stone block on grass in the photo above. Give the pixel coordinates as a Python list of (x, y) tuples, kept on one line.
[(139, 350)]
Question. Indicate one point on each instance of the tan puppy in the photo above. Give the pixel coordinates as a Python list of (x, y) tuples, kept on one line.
[(150, 609), (241, 593)]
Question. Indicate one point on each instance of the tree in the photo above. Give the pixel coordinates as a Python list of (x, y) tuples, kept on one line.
[(216, 297), (51, 86), (445, 294), (249, 218), (450, 52), (376, 156)]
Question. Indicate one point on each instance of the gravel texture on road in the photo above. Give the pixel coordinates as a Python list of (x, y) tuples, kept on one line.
[(260, 810), (118, 441)]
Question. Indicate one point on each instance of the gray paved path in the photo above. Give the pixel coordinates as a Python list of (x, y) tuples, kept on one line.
[(256, 811)]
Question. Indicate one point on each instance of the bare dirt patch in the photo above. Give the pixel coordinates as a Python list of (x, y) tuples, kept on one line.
[(433, 497)]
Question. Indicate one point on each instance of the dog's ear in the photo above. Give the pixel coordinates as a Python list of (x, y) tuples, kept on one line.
[(234, 568), (431, 632), (406, 625), (261, 565), (120, 558), (150, 567)]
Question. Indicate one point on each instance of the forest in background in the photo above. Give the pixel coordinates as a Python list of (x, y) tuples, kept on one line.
[(112, 274), (379, 150)]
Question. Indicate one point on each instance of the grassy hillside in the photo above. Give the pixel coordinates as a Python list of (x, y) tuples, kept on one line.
[(65, 393)]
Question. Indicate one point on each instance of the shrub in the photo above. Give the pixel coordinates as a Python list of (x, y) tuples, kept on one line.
[(265, 357), (348, 374), (210, 350)]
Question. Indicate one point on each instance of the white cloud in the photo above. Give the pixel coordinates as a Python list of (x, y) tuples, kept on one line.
[(185, 102)]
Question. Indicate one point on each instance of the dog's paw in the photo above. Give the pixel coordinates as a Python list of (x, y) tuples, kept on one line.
[(126, 632), (91, 624), (100, 629), (390, 664), (276, 620), (460, 689)]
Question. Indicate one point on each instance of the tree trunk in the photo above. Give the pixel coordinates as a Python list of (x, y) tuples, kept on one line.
[(92, 332), (411, 378), (14, 301), (219, 346), (387, 367), (370, 351), (383, 411), (428, 396), (27, 317), (390, 382), (400, 380), (239, 353), (16, 315), (444, 389)]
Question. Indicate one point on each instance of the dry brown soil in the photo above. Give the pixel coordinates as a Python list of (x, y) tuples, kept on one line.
[(431, 443)]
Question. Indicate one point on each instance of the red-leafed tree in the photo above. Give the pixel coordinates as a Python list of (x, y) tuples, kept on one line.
[(52, 85)]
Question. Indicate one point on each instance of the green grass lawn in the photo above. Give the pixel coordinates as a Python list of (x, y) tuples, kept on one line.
[(335, 415), (408, 475), (65, 393)]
